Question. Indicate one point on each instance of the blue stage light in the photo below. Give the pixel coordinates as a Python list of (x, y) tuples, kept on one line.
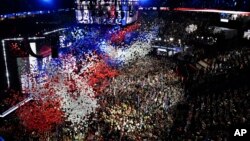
[(47, 1), (1, 139), (48, 4), (145, 2)]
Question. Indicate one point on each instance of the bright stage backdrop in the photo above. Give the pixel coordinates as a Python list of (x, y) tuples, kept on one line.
[(118, 12)]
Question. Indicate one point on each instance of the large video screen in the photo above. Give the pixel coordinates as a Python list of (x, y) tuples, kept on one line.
[(110, 12)]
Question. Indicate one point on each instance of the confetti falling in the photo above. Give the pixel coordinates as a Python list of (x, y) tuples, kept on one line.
[(66, 88)]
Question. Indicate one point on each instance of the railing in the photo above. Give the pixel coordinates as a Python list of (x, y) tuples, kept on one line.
[(13, 108)]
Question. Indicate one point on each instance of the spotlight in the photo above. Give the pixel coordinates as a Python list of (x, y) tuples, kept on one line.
[(47, 1), (144, 2)]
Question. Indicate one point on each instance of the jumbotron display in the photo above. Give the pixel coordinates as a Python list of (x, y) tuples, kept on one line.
[(111, 12)]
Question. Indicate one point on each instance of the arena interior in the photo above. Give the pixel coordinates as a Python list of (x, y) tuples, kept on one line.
[(124, 70)]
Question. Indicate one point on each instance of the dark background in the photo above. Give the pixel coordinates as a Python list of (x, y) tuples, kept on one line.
[(13, 6)]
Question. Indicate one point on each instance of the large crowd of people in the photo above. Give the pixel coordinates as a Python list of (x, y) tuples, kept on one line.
[(212, 114), (137, 103), (188, 28), (217, 68), (151, 99)]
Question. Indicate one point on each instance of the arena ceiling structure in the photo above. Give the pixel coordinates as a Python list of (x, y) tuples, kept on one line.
[(13, 6)]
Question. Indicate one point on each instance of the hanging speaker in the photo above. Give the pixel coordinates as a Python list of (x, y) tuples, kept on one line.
[(122, 14), (93, 13), (100, 13), (116, 14), (129, 8), (131, 13)]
